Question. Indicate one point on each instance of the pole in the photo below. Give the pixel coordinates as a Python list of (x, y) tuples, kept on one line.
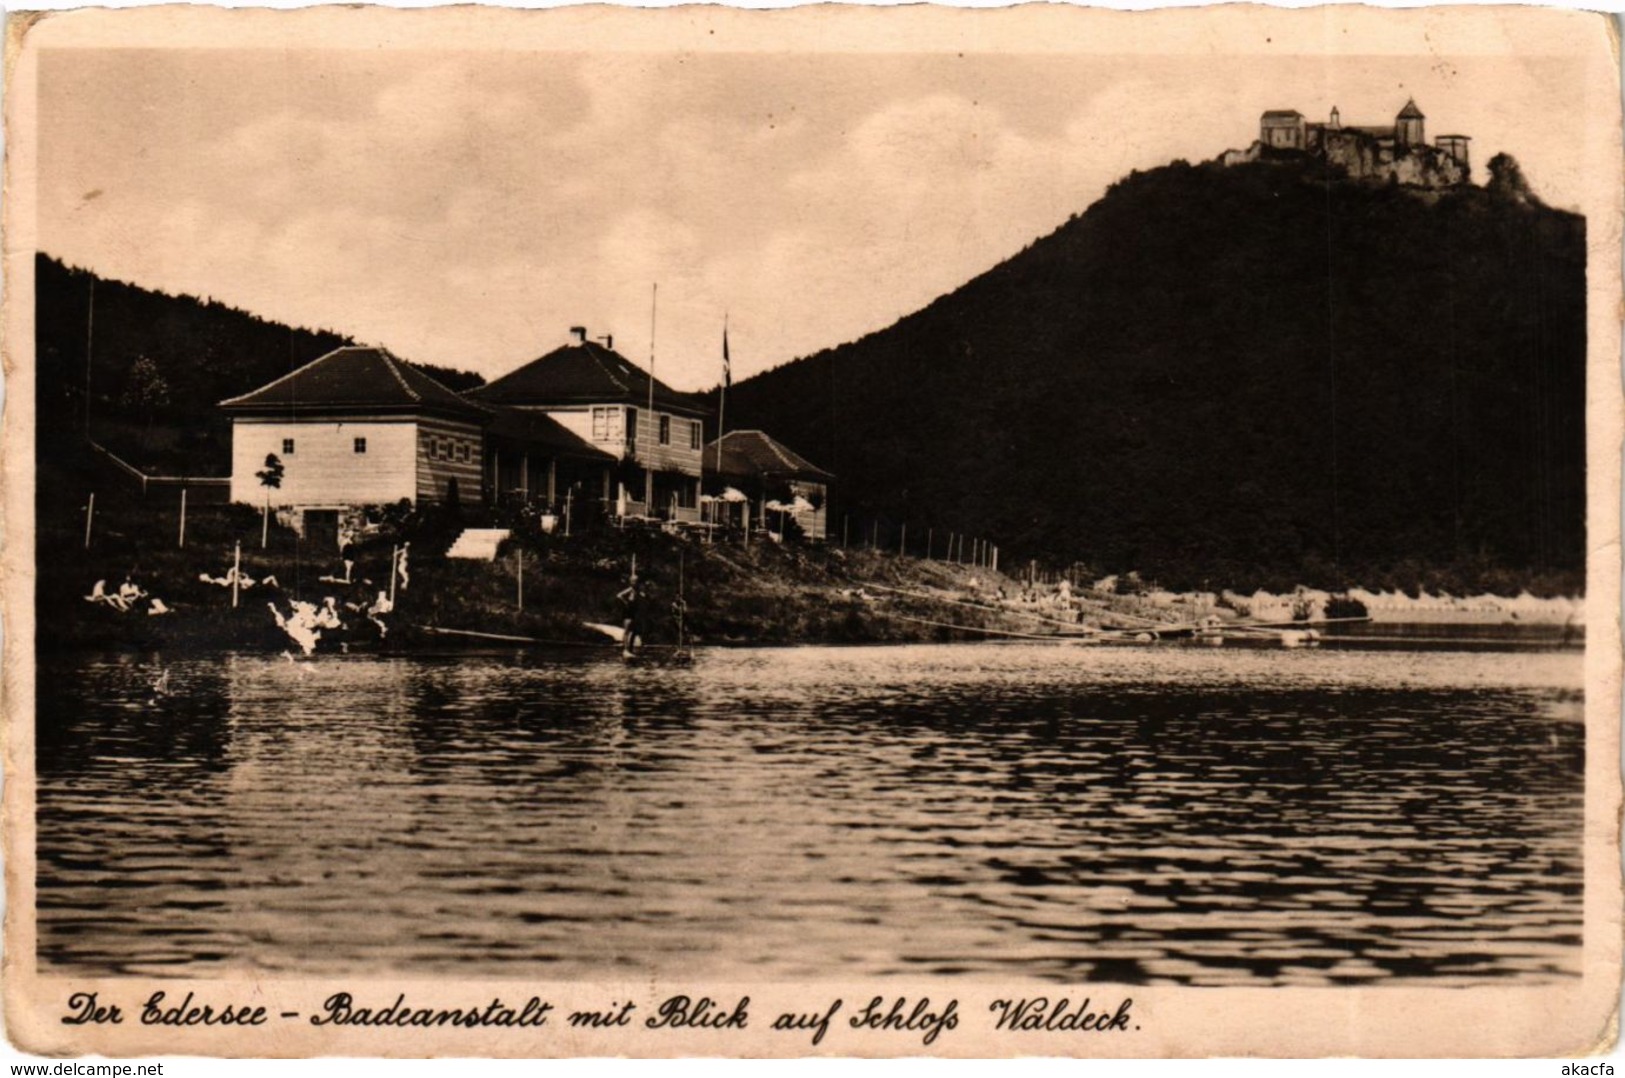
[(265, 520), (995, 558), (182, 541), (902, 544), (236, 571), (90, 338), (843, 531), (648, 469), (519, 561), (394, 564), (90, 514), (568, 495), (722, 392)]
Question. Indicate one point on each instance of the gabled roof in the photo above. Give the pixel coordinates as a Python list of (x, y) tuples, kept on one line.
[(584, 373), (751, 454), (355, 378), (1410, 111), (541, 431)]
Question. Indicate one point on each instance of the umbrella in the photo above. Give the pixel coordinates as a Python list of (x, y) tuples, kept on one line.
[(732, 495)]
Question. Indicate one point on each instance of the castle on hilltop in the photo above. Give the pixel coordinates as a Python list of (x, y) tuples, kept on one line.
[(1397, 152)]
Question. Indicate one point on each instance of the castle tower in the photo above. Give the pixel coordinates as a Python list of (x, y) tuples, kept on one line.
[(1336, 122), (1455, 146), (1408, 125), (1281, 129)]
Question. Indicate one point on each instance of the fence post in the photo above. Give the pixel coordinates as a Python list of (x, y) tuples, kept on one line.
[(90, 515), (181, 542), (236, 571)]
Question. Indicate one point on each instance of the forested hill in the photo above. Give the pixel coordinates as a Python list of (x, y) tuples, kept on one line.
[(1260, 374), (158, 366)]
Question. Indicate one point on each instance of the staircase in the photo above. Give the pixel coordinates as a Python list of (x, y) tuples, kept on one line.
[(480, 543)]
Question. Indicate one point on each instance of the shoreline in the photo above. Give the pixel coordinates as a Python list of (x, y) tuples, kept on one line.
[(553, 590)]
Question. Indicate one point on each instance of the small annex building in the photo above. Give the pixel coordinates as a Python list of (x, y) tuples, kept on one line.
[(772, 476), (360, 426), (604, 400)]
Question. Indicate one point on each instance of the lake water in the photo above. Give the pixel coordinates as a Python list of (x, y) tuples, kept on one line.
[(1156, 815)]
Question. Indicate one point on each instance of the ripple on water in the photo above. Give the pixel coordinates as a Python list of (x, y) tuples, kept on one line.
[(1184, 817)]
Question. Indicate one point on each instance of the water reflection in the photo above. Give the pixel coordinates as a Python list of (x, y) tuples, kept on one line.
[(1162, 816)]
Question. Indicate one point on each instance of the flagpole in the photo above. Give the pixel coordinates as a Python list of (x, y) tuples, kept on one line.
[(648, 470)]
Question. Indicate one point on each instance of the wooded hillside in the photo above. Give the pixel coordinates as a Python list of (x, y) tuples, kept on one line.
[(1257, 375)]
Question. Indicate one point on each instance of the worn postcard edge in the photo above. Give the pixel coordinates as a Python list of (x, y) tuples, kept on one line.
[(1183, 1022)]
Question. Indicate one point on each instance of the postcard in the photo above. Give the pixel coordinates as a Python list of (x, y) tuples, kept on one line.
[(830, 531)]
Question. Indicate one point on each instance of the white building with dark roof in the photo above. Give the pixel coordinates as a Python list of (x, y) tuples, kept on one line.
[(619, 409), (357, 426)]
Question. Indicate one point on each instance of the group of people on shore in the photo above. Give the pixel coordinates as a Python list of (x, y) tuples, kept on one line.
[(126, 598)]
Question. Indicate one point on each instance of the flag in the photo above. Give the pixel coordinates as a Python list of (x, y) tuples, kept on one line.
[(727, 375)]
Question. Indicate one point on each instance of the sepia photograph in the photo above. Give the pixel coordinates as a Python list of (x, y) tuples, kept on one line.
[(812, 532)]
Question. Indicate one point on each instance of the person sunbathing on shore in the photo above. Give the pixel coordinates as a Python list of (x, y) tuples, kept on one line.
[(328, 616), (240, 578), (300, 624), (129, 593), (98, 594), (376, 612), (349, 570), (157, 607)]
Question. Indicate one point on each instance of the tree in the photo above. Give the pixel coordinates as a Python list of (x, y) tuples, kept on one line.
[(145, 391), (270, 478), (1507, 180)]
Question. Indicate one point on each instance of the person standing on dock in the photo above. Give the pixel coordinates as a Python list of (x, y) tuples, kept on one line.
[(632, 602)]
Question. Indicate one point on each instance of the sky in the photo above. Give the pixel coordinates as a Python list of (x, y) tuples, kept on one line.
[(466, 206)]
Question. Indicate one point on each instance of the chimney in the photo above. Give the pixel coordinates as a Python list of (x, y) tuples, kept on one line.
[(609, 341), (580, 334)]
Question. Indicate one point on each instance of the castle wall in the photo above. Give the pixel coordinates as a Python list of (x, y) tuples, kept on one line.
[(1366, 158)]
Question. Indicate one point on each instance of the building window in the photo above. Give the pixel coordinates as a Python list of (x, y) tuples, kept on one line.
[(360, 445), (287, 446), (665, 430), (465, 452), (631, 428), (694, 434), (606, 424)]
